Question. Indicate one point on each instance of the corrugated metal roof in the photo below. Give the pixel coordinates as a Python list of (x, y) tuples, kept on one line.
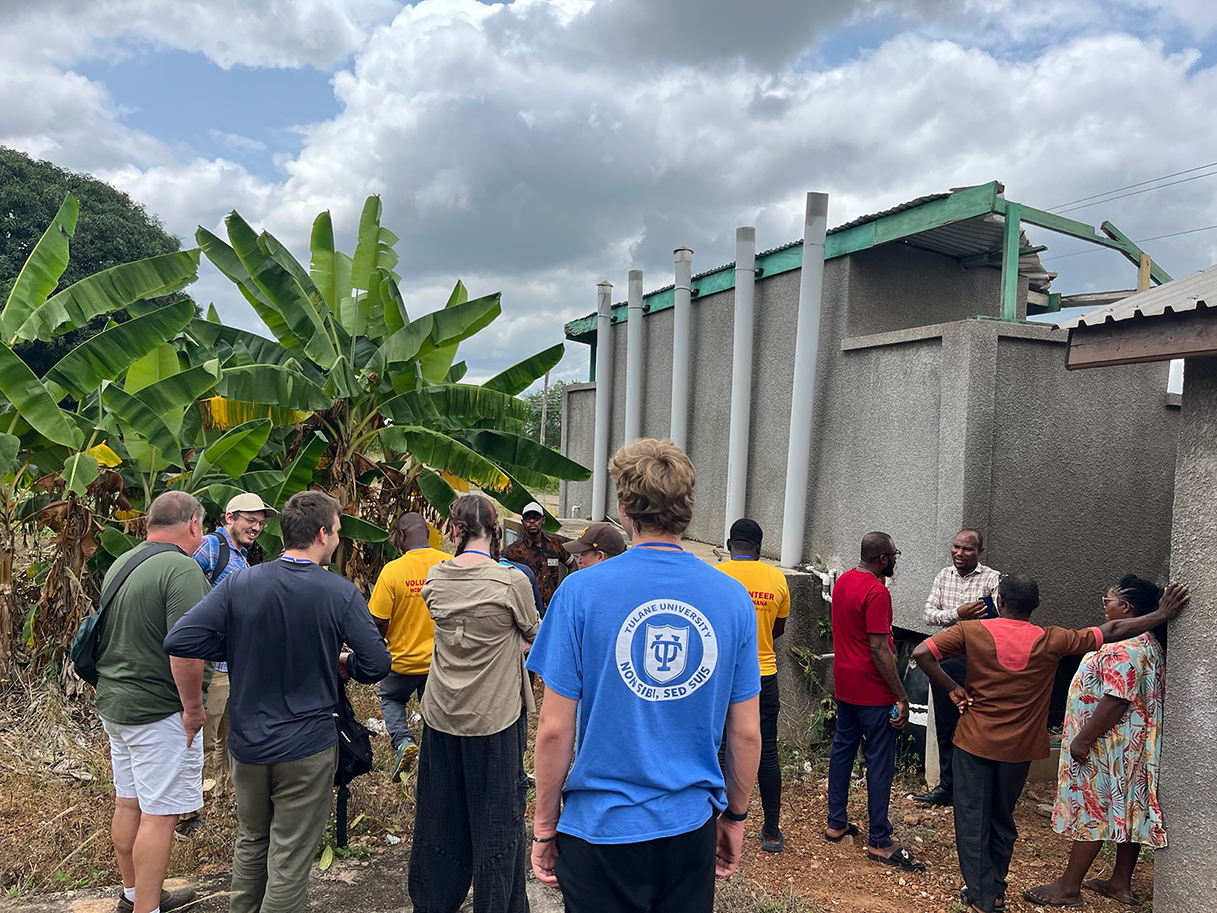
[(899, 207), (1178, 296)]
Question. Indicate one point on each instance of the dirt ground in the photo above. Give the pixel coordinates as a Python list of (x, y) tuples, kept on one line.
[(55, 803)]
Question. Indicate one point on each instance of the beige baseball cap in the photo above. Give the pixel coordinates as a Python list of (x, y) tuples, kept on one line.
[(248, 502)]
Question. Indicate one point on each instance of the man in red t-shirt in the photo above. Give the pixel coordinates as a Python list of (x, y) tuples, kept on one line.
[(867, 688), (1011, 665)]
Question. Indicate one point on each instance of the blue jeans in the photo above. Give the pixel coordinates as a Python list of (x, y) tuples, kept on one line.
[(870, 726), (395, 690)]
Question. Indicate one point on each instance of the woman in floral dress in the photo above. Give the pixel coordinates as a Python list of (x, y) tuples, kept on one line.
[(1107, 785)]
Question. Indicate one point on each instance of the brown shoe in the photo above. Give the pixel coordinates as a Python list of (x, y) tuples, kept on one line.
[(170, 900)]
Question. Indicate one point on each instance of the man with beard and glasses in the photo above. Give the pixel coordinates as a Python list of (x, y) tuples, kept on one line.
[(871, 703)]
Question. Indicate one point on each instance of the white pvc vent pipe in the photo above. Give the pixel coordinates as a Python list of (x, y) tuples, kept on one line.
[(741, 377), (633, 359), (604, 389), (803, 393), (681, 326)]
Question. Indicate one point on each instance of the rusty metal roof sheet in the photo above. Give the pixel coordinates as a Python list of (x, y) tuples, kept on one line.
[(1180, 295)]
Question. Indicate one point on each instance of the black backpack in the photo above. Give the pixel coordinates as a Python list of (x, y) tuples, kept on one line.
[(354, 758), (221, 559), (86, 645)]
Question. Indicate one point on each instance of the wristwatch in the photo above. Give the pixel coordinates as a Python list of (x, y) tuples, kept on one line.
[(732, 816)]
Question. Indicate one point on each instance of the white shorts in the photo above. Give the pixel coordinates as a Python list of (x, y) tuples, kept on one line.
[(153, 766)]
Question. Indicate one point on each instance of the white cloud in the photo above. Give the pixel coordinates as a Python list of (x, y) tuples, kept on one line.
[(236, 141)]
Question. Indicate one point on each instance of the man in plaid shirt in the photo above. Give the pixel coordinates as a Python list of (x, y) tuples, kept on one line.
[(244, 519), (956, 594)]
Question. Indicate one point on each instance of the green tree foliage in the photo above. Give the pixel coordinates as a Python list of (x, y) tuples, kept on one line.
[(553, 415), (112, 229)]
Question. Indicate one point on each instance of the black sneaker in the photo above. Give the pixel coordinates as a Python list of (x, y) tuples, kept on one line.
[(186, 828), (170, 900)]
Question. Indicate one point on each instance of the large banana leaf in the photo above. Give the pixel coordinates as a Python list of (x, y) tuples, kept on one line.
[(110, 290), (273, 384), (283, 291), (459, 403), (116, 542), (158, 364), (261, 350), (226, 261), (402, 347), (439, 493), (177, 390), (440, 451), (222, 413), (456, 372), (361, 530), (41, 271), (299, 472), (79, 472), (9, 445), (511, 451), (144, 420), (395, 315), (374, 248), (516, 379), (323, 266), (435, 365), (106, 355), (233, 452), (33, 403), (459, 322)]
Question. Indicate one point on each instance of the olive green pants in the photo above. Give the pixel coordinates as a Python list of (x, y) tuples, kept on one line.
[(281, 812)]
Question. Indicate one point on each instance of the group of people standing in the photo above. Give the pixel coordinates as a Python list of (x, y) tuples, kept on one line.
[(991, 672), (659, 711)]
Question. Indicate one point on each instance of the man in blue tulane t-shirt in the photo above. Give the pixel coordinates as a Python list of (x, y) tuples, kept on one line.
[(644, 659)]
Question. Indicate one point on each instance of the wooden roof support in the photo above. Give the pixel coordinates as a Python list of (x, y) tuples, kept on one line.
[(1142, 339)]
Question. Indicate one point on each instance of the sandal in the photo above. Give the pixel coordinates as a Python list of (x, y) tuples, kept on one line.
[(1094, 884), (774, 845), (999, 905), (1046, 899), (901, 859), (851, 830)]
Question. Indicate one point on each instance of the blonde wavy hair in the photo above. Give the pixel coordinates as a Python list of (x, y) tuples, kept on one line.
[(654, 482)]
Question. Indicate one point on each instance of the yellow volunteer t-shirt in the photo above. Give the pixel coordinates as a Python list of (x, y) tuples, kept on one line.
[(397, 596), (771, 596)]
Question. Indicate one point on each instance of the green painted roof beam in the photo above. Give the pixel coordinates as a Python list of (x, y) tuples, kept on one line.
[(1009, 261), (1114, 238), (963, 204)]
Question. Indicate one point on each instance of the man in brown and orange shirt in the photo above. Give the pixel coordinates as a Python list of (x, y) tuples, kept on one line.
[(544, 555), (1004, 723)]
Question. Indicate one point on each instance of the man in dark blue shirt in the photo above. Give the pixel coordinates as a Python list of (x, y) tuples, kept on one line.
[(280, 626)]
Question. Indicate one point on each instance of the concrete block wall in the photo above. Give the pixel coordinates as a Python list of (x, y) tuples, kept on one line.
[(919, 428)]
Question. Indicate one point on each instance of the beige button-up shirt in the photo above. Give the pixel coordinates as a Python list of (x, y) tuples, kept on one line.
[(483, 614)]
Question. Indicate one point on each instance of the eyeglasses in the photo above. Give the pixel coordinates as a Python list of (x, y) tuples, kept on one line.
[(252, 522), (894, 554)]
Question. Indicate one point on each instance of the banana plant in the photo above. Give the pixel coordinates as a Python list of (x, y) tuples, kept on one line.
[(391, 384)]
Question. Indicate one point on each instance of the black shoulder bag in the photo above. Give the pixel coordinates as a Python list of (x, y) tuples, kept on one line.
[(87, 642), (354, 758)]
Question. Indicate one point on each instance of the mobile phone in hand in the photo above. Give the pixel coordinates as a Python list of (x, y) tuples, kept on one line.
[(990, 608)]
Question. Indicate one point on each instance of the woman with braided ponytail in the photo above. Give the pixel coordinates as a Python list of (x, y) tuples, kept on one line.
[(469, 821), (1107, 787)]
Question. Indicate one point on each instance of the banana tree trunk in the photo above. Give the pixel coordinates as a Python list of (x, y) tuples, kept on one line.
[(8, 604)]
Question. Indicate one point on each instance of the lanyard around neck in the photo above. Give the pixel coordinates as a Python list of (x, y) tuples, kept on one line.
[(474, 551)]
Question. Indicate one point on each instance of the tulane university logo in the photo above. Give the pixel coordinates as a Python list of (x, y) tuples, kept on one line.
[(666, 650)]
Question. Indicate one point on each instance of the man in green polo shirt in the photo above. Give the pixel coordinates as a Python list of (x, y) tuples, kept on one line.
[(152, 706)]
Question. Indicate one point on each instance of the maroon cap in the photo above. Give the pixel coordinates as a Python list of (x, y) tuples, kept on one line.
[(603, 537)]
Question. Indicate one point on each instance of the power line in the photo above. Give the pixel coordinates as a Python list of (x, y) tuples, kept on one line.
[(1095, 250), (1133, 193), (1131, 186)]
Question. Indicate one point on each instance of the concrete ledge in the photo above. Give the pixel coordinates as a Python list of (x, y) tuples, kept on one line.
[(1037, 331)]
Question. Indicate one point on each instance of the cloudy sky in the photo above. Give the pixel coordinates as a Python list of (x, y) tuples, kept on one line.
[(539, 147)]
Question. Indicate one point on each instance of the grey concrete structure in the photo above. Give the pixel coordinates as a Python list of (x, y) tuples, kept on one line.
[(926, 420), (1183, 872)]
